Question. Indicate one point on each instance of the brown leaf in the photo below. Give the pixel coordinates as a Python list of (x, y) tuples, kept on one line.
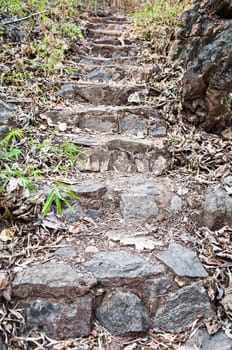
[(7, 234), (212, 325)]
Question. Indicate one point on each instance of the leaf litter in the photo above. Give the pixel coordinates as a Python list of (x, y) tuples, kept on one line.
[(23, 240)]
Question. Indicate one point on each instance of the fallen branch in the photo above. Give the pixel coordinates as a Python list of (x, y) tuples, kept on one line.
[(24, 18)]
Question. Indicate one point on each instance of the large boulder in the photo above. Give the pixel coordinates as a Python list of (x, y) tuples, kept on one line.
[(204, 44)]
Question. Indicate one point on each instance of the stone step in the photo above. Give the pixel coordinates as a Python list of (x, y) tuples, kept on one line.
[(114, 26), (110, 93), (103, 61), (110, 51), (133, 294), (139, 74), (134, 197), (98, 33), (108, 19), (112, 40), (131, 120), (105, 153)]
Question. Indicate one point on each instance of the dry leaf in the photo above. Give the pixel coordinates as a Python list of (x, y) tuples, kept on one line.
[(62, 126), (7, 234), (212, 325)]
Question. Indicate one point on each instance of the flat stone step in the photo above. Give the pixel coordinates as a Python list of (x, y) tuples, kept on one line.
[(108, 19), (97, 33), (103, 61), (58, 296), (139, 74), (97, 93), (112, 40), (131, 120), (110, 51), (114, 26), (134, 197), (121, 153)]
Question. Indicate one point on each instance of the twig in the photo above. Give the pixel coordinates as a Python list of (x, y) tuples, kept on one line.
[(24, 18)]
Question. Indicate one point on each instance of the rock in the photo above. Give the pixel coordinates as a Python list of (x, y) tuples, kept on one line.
[(98, 93), (183, 261), (67, 91), (158, 288), (134, 98), (120, 264), (138, 206), (159, 131), (183, 308), (122, 313), (74, 214), (217, 208), (204, 44), (94, 191), (176, 204), (222, 8), (91, 249), (58, 320), (133, 124), (85, 141), (6, 112), (139, 202), (140, 243), (99, 74), (65, 249), (203, 341), (53, 278)]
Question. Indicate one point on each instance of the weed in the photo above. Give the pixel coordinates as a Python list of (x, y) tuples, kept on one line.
[(13, 166), (164, 12), (59, 193)]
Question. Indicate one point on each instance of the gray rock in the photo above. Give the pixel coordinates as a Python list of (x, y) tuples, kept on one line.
[(176, 204), (99, 74), (158, 287), (74, 214), (217, 208), (183, 308), (120, 264), (122, 313), (138, 206), (203, 43), (133, 124), (98, 93), (203, 341), (55, 278), (183, 261), (6, 112), (86, 141), (65, 249), (159, 131), (94, 191), (67, 91), (60, 321)]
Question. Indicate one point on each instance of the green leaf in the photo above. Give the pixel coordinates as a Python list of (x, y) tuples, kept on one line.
[(48, 203), (58, 206)]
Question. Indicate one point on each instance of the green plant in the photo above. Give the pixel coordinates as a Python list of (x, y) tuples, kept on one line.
[(163, 12), (72, 31), (59, 193), (13, 165), (11, 137), (72, 151)]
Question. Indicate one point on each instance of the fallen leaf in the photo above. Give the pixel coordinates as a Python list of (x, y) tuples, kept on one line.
[(7, 234), (212, 325), (53, 222)]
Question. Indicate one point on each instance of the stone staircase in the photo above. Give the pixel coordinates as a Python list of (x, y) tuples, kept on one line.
[(122, 180)]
